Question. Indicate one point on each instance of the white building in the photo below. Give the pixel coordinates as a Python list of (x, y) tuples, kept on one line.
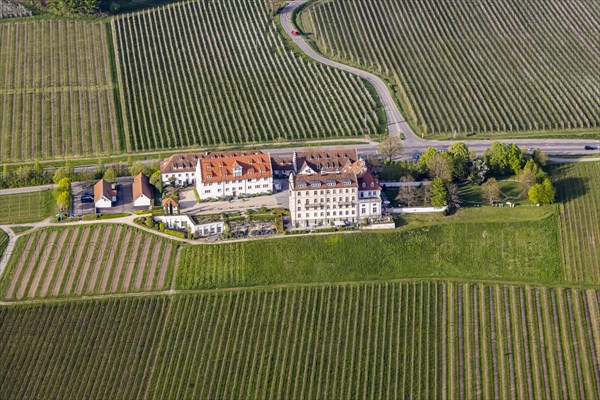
[(332, 188), (104, 194), (234, 176), (183, 222), (142, 191), (180, 169)]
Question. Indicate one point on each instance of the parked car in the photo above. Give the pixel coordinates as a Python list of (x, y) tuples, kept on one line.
[(416, 156), (530, 149), (591, 147), (87, 198)]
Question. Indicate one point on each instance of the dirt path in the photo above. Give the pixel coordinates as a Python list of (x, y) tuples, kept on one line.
[(75, 265), (32, 263), (52, 270), (112, 249), (111, 265), (98, 264), (65, 263), (92, 255), (20, 268), (164, 269), (153, 264), (49, 250), (137, 283)]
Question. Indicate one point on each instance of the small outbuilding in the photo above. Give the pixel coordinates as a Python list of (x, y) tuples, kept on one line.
[(142, 191), (104, 194), (170, 206)]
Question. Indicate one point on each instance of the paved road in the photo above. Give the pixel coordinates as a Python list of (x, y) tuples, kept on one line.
[(27, 189), (396, 123), (12, 238)]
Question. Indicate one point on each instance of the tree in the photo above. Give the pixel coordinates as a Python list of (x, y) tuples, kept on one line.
[(156, 181), (136, 168), (440, 165), (527, 179), (490, 190), (515, 158), (461, 158), (408, 195), (391, 147), (64, 185), (109, 175), (439, 193), (542, 193), (454, 199), (478, 171), (60, 174), (63, 201), (497, 158), (539, 157), (424, 159)]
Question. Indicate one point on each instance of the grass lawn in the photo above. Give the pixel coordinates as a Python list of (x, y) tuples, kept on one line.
[(499, 246), (26, 207), (510, 189)]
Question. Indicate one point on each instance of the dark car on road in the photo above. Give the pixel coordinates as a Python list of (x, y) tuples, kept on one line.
[(591, 148)]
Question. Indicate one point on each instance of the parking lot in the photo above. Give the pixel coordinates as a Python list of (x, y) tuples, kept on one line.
[(124, 201)]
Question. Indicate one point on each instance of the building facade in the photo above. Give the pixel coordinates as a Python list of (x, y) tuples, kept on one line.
[(234, 176), (180, 169), (332, 188), (104, 194), (185, 223)]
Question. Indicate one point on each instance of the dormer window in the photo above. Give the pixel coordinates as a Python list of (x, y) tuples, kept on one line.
[(330, 183), (364, 185), (237, 171), (372, 184)]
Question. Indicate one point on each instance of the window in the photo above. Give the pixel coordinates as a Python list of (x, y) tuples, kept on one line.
[(346, 190), (321, 213), (334, 214), (299, 215), (207, 191), (346, 212), (299, 201)]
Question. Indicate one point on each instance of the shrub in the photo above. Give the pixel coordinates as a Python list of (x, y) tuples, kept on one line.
[(178, 234)]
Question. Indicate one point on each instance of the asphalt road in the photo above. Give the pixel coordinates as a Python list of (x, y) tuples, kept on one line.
[(396, 123)]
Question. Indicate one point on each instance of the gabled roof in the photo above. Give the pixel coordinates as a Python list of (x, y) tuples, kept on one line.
[(222, 169), (326, 160), (141, 185), (187, 162), (368, 181), (169, 201), (282, 163), (102, 188)]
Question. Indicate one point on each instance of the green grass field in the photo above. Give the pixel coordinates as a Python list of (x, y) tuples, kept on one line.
[(56, 90), (23, 208), (3, 242), (86, 260), (204, 73), (494, 250), (385, 340), (473, 67), (578, 190)]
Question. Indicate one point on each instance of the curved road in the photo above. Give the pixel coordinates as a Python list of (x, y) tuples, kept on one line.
[(397, 124)]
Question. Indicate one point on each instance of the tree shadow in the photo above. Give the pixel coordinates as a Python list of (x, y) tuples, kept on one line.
[(571, 188)]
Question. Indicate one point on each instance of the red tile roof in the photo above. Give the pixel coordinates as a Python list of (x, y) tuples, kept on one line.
[(141, 185), (282, 163), (102, 188), (222, 169), (187, 162), (169, 201), (367, 181), (325, 160)]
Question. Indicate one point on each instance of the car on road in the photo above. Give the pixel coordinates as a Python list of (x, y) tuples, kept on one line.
[(591, 147), (87, 198), (530, 149), (416, 156)]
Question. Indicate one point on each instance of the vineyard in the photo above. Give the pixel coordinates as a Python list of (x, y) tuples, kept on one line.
[(12, 10), (202, 73), (388, 340), (579, 220), (93, 259), (26, 207), (521, 251), (473, 66), (56, 90), (3, 242)]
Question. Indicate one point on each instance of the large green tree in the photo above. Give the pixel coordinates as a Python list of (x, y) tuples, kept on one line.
[(490, 190), (542, 193), (439, 193), (461, 159)]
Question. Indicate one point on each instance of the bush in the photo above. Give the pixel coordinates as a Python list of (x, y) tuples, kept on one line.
[(178, 234), (321, 230)]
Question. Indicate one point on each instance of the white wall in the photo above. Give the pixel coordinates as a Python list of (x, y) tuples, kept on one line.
[(142, 201), (180, 222), (418, 210), (214, 190), (104, 203)]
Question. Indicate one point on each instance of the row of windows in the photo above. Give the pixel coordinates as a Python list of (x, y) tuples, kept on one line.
[(329, 214), (329, 200), (322, 192)]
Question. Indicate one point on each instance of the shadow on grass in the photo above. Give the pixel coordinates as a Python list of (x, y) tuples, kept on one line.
[(571, 188)]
